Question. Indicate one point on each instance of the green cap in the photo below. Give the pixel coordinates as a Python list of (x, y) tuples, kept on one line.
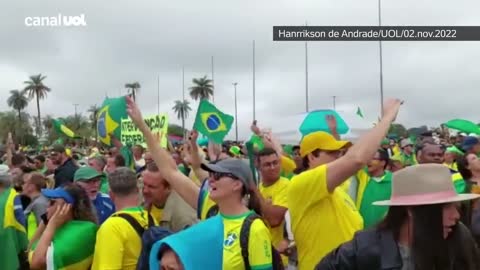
[(385, 141), (235, 150), (85, 173), (455, 150)]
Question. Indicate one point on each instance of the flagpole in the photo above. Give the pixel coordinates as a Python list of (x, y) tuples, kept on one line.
[(254, 117), (183, 83), (213, 84), (306, 74), (183, 96), (236, 115), (158, 94), (334, 107), (381, 57)]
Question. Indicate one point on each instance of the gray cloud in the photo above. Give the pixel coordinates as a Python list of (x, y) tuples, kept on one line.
[(127, 41)]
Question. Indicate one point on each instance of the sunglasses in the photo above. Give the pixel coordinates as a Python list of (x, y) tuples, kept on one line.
[(218, 175)]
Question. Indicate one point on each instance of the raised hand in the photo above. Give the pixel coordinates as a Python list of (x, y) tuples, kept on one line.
[(331, 123), (61, 215), (391, 108), (158, 136), (254, 128), (193, 136), (133, 111)]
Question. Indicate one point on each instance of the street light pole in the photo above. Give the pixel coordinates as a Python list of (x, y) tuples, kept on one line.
[(236, 113), (380, 57), (76, 115)]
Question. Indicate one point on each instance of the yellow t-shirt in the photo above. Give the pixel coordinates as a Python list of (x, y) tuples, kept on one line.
[(204, 201), (118, 245), (287, 164), (321, 221), (259, 244), (277, 195), (156, 213), (452, 166)]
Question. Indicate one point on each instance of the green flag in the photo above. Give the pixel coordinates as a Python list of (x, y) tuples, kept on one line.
[(211, 122), (359, 112), (58, 141), (60, 127), (13, 236), (257, 142), (251, 160), (61, 255), (109, 118)]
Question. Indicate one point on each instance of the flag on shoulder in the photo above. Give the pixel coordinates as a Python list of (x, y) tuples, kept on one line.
[(212, 122), (13, 235), (60, 127), (109, 118), (61, 254)]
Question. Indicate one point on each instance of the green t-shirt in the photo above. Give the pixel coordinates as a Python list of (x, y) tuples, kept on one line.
[(377, 189)]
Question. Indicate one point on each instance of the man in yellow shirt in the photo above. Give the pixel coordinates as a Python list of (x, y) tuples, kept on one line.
[(322, 215), (273, 193), (118, 244)]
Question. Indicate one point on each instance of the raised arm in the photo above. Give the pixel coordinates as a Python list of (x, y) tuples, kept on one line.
[(196, 160), (362, 151), (166, 165)]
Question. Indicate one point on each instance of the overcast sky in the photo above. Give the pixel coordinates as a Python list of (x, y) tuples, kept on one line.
[(126, 41)]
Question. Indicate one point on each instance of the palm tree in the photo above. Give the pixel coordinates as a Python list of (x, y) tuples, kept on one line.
[(133, 89), (182, 109), (93, 110), (36, 88), (202, 88), (18, 101)]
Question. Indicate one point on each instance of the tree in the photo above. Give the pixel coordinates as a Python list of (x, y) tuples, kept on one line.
[(21, 131), (133, 89), (398, 129), (17, 101), (176, 130), (93, 110), (182, 108), (202, 89), (36, 89)]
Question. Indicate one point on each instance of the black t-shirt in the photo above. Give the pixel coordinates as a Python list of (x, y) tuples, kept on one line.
[(64, 174)]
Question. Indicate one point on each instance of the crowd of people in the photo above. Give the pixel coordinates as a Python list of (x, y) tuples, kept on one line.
[(325, 204)]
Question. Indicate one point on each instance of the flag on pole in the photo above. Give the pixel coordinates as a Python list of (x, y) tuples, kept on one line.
[(109, 118), (60, 127), (212, 122), (359, 112)]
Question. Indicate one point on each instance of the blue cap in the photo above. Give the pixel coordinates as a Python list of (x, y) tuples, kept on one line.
[(469, 142), (58, 193)]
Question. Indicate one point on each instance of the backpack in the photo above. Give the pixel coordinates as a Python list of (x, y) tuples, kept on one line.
[(277, 263), (148, 235)]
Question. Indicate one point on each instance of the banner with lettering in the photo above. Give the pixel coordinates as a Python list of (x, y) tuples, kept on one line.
[(131, 135)]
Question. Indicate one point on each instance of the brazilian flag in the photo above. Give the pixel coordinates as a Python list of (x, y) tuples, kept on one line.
[(61, 255), (60, 127), (13, 236), (211, 122), (109, 119)]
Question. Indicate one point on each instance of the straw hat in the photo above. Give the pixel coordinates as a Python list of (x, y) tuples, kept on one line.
[(424, 184)]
